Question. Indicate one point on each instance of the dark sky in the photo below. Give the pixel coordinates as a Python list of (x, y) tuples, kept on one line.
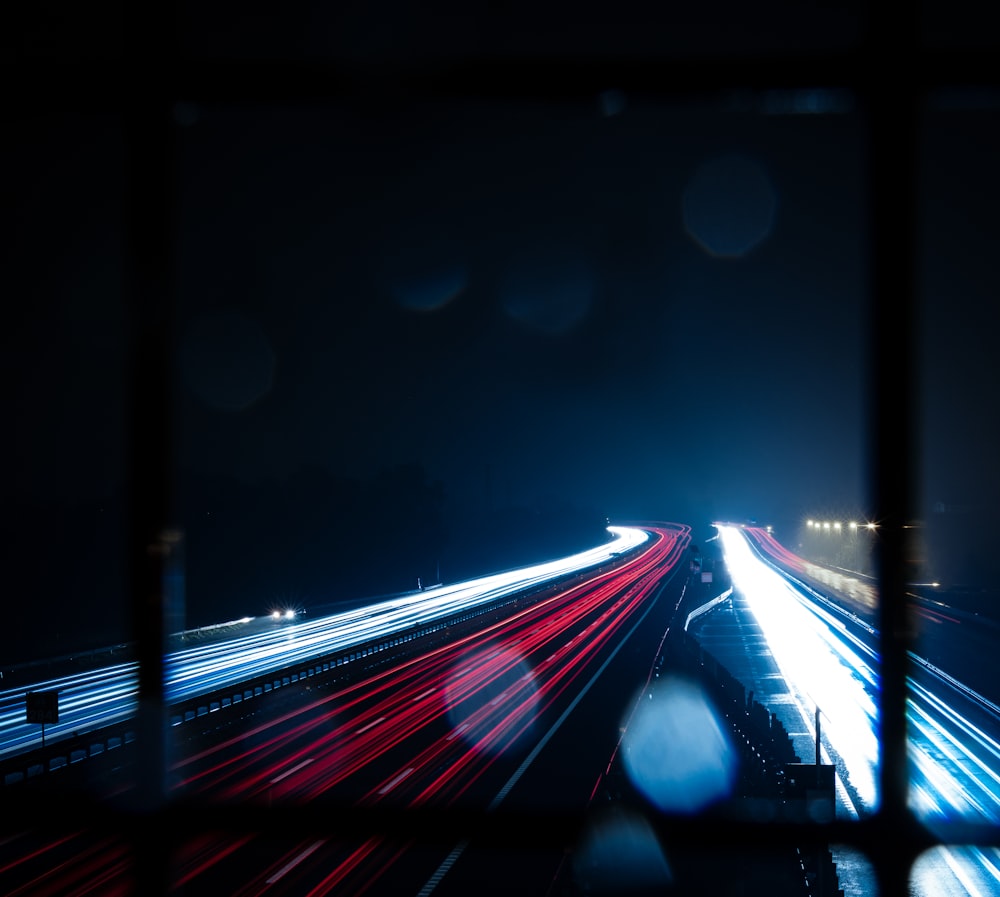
[(510, 291), (651, 308), (501, 291)]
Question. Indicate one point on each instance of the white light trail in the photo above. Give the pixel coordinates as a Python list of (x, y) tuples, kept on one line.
[(954, 762), (103, 697), (820, 668)]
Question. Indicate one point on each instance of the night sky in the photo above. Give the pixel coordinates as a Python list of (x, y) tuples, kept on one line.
[(508, 295), (481, 322)]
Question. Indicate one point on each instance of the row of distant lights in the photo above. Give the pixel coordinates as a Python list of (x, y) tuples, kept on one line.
[(837, 526)]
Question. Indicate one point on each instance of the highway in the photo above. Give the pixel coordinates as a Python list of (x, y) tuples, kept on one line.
[(453, 726), (460, 724), (827, 655), (534, 704), (99, 698)]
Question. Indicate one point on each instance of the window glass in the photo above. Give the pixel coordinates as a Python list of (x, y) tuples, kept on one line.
[(63, 351), (419, 339), (954, 601), (424, 340)]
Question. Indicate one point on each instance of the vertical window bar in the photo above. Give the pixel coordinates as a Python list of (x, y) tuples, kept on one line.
[(150, 298), (149, 476), (891, 110)]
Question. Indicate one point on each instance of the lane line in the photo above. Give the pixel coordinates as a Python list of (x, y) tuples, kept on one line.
[(456, 732), (381, 719), (385, 789), (452, 858), (291, 864), (292, 771), (442, 870)]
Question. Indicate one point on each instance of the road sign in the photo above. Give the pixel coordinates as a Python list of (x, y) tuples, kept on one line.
[(43, 706)]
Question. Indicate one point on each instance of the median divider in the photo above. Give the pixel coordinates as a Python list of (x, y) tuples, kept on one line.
[(705, 608)]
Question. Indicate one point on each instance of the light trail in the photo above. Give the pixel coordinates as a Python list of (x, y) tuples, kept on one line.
[(424, 729), (954, 761), (489, 687), (821, 667), (103, 697)]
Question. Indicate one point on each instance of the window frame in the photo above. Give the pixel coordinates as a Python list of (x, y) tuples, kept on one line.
[(889, 76)]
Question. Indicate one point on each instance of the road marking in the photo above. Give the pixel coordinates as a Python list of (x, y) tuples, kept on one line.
[(429, 691), (291, 864), (381, 719), (442, 870), (291, 771), (458, 731), (385, 789), (452, 858)]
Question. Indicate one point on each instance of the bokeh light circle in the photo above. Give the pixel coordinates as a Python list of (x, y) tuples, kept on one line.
[(548, 290), (676, 750), (492, 699), (227, 360), (729, 206), (620, 854)]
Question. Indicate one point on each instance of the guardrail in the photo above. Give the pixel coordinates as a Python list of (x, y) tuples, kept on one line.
[(705, 608), (68, 751)]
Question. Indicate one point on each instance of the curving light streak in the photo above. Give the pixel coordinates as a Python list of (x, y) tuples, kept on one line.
[(822, 667), (445, 725), (491, 688), (109, 695), (954, 763), (948, 753), (973, 871)]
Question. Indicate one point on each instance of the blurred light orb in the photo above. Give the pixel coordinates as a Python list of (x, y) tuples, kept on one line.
[(729, 206), (428, 290), (612, 102), (620, 854), (548, 291), (421, 266), (806, 101), (492, 699), (227, 361), (186, 114), (676, 750)]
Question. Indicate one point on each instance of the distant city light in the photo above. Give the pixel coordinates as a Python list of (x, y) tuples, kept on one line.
[(831, 526)]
